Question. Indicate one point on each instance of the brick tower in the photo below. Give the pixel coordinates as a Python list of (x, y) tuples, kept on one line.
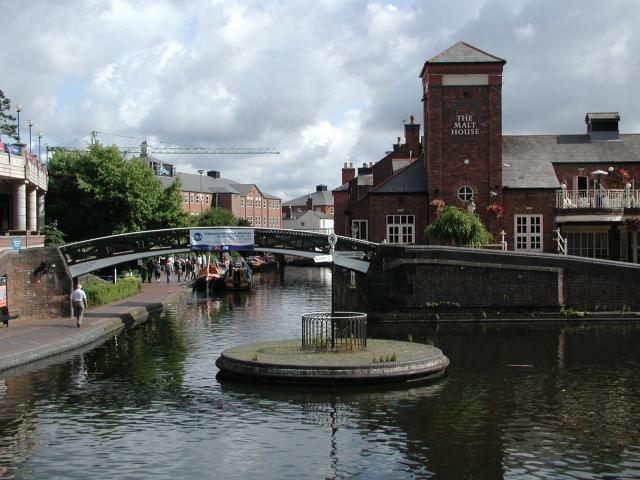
[(462, 95)]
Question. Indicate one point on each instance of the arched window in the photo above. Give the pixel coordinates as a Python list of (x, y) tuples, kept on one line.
[(465, 193)]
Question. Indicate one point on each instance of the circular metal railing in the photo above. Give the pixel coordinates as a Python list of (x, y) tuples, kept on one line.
[(337, 332)]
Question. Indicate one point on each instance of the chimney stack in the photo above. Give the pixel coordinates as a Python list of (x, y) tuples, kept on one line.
[(412, 136), (348, 173)]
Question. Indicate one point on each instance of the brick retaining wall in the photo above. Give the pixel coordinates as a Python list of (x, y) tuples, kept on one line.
[(426, 283), (32, 293)]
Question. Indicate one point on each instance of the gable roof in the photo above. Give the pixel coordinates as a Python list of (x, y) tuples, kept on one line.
[(528, 159), (462, 52), (191, 183), (323, 197), (410, 179)]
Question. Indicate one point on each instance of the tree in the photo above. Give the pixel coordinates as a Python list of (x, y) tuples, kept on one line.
[(217, 217), (52, 235), (7, 121), (98, 193), (459, 228)]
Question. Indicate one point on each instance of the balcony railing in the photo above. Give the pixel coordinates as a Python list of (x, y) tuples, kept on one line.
[(604, 198)]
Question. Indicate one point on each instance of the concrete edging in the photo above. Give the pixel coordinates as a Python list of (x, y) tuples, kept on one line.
[(99, 330)]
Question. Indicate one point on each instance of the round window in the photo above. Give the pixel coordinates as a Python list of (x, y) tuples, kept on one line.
[(465, 193)]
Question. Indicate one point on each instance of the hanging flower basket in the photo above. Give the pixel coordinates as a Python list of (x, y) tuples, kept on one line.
[(633, 224), (495, 210), (439, 204)]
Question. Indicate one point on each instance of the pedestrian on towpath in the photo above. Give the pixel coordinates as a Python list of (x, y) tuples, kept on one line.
[(157, 270), (79, 300)]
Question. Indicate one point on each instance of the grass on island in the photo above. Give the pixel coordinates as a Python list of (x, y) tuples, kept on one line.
[(289, 352)]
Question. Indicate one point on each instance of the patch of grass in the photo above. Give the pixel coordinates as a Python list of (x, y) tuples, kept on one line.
[(101, 292)]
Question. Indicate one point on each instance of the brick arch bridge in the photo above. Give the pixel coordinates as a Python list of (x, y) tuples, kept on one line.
[(90, 255)]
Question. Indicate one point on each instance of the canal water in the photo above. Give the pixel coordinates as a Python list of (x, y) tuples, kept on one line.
[(545, 401)]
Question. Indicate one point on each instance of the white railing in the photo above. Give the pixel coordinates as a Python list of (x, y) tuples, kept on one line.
[(561, 242), (604, 198)]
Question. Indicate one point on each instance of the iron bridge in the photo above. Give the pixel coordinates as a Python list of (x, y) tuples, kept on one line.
[(90, 255)]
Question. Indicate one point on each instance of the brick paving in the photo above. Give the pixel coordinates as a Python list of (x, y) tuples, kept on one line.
[(28, 340)]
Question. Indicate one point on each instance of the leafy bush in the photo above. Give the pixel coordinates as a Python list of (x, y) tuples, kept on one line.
[(101, 292), (458, 228)]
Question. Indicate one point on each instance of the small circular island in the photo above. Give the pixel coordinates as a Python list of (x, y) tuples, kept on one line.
[(285, 362)]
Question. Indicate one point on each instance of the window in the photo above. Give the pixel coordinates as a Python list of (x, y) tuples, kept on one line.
[(528, 232), (192, 197), (360, 229), (249, 201), (331, 210), (258, 221), (250, 220), (242, 201), (197, 198), (588, 244), (186, 198), (400, 228), (207, 198), (465, 193)]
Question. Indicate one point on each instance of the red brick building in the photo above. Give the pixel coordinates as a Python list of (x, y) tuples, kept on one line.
[(245, 200), (582, 185), (319, 201)]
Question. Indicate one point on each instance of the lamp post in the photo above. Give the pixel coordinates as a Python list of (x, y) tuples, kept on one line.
[(39, 150), (18, 110), (201, 171), (30, 123)]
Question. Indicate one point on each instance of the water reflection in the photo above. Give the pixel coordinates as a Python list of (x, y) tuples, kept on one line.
[(543, 401)]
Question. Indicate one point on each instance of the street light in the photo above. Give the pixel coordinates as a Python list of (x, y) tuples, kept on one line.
[(201, 171), (30, 123), (39, 151), (18, 110)]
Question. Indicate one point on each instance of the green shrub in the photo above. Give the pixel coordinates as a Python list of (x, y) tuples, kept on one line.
[(100, 292)]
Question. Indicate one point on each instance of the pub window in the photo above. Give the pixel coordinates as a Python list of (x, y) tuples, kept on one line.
[(465, 193), (528, 232), (360, 229), (400, 229)]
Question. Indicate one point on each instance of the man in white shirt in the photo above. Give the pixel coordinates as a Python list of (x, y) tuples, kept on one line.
[(79, 300)]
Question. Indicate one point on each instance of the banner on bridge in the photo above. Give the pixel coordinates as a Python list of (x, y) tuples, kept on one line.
[(222, 239)]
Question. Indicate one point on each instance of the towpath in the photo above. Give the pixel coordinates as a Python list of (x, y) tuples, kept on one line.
[(26, 341)]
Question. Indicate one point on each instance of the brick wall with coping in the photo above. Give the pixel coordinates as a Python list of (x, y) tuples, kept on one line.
[(32, 293), (418, 283)]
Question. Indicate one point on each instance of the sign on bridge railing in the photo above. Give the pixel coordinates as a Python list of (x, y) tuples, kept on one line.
[(222, 239)]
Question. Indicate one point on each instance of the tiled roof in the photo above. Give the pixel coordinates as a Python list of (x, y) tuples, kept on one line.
[(323, 197), (411, 179), (462, 52), (528, 159), (191, 183)]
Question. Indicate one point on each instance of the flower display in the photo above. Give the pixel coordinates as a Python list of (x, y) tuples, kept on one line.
[(439, 204), (495, 210), (619, 178)]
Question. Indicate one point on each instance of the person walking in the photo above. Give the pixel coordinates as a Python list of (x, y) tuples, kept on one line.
[(157, 269), (150, 268), (168, 267), (79, 300)]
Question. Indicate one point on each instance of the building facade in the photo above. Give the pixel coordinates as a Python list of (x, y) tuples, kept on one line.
[(545, 192), (203, 191), (319, 201), (22, 195)]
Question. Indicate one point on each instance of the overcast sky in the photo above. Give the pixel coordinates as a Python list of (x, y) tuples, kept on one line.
[(324, 82)]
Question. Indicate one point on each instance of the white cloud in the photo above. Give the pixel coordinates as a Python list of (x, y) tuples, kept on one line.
[(323, 85)]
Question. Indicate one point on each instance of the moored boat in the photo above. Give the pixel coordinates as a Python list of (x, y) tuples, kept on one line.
[(212, 275), (262, 263), (238, 276)]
